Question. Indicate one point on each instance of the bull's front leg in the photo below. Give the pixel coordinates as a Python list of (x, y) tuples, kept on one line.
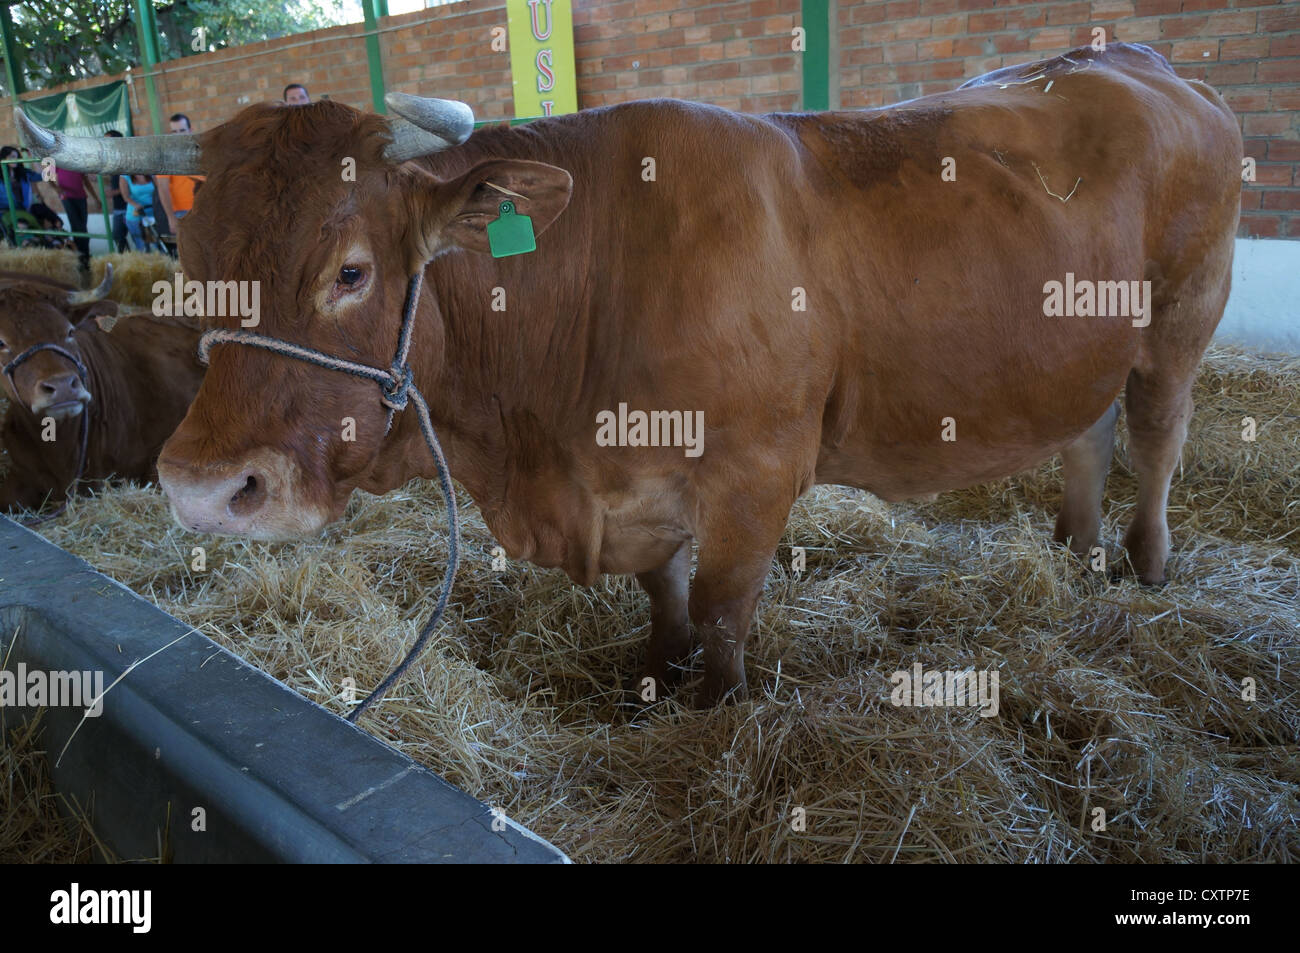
[(670, 642), (20, 489), (17, 492), (735, 558)]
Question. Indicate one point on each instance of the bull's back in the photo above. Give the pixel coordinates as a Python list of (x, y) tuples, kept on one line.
[(1087, 167)]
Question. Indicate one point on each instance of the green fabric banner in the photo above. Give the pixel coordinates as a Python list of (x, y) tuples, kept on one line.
[(85, 112)]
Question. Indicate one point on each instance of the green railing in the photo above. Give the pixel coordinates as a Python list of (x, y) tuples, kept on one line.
[(11, 215)]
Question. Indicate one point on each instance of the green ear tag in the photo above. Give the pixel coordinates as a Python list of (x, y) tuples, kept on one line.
[(511, 234)]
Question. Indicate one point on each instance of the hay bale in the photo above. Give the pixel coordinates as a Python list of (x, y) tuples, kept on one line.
[(57, 263), (1113, 695), (134, 274)]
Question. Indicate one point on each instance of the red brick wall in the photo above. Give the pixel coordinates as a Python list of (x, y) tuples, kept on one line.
[(447, 51), (738, 54), (1247, 49)]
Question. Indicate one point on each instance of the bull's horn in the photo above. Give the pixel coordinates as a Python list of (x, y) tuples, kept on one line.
[(426, 125), (94, 294), (175, 154)]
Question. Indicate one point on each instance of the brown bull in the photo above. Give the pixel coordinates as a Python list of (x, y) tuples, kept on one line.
[(868, 298), (139, 379)]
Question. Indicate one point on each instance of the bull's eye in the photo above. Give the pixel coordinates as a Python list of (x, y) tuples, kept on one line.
[(350, 280)]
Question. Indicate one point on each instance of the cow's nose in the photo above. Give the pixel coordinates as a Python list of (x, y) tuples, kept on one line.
[(61, 385), (207, 503), (60, 389), (60, 396)]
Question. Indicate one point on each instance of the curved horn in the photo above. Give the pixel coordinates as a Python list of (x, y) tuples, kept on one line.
[(425, 125), (176, 154), (94, 294)]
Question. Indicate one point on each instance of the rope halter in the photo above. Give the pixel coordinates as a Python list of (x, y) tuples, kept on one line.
[(397, 391)]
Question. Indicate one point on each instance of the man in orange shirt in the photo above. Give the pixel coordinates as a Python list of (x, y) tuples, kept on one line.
[(176, 192)]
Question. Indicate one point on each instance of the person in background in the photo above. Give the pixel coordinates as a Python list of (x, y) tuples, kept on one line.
[(20, 187), (21, 178), (73, 188), (175, 192), (47, 220), (112, 188), (295, 94), (139, 192)]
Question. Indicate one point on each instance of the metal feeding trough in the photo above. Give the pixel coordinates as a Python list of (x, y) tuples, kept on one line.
[(199, 757)]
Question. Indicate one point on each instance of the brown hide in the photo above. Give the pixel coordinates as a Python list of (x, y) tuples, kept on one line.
[(923, 313), (141, 377)]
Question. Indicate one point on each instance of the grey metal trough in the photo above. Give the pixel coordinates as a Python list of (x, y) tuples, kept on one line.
[(278, 778)]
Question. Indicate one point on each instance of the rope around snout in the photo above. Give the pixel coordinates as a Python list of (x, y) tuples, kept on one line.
[(8, 372), (399, 391)]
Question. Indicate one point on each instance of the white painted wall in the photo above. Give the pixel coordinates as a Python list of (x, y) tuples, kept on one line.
[(1264, 308)]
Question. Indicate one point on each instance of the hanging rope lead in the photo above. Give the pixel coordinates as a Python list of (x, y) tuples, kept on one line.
[(398, 391)]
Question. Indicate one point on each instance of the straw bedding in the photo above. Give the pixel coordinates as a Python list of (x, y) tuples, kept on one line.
[(38, 825), (1112, 695)]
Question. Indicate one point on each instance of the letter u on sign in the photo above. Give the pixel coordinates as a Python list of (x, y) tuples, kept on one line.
[(539, 16), (543, 76)]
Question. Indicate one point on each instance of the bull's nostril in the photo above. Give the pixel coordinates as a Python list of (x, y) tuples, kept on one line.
[(250, 486), (249, 497)]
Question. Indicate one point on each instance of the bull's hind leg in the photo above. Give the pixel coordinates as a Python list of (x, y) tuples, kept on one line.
[(1087, 462), (670, 642), (1158, 411), (1158, 393)]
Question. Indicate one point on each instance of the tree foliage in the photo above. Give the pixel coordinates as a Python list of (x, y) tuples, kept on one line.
[(63, 40)]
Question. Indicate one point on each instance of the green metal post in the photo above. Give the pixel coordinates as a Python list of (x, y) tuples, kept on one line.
[(146, 27), (106, 207), (373, 10), (13, 57), (815, 18), (9, 195)]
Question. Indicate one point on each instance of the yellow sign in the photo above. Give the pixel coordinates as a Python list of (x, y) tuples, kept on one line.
[(541, 57)]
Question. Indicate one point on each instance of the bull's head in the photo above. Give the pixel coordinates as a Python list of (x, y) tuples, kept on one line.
[(38, 344), (319, 205)]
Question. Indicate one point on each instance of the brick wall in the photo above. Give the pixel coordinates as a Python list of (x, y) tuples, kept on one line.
[(1247, 49), (738, 54), (447, 51)]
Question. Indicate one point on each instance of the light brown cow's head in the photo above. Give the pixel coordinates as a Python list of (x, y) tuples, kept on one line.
[(36, 313), (318, 205)]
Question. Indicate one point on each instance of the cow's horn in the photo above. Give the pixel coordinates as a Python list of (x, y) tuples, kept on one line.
[(426, 125), (94, 294), (175, 154)]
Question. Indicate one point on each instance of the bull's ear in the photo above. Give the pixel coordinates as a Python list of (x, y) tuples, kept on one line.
[(102, 313), (537, 190)]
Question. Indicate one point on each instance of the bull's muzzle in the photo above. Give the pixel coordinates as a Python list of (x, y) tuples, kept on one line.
[(61, 396)]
